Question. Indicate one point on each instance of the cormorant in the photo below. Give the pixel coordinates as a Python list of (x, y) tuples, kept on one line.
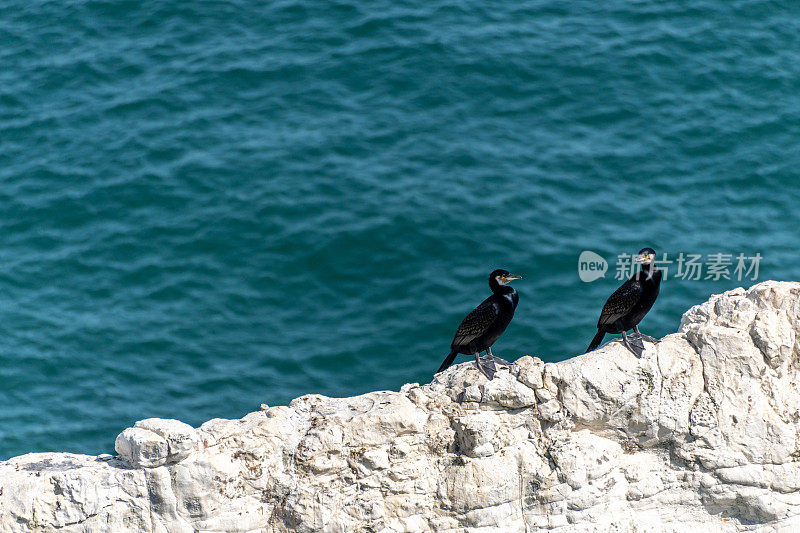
[(484, 325), (627, 306)]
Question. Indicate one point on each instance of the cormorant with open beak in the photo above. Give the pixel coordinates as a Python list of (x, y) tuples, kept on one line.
[(484, 325), (630, 303)]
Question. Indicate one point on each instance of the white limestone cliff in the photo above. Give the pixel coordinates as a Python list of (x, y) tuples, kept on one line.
[(700, 434)]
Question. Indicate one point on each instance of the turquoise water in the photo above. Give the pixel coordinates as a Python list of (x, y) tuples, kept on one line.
[(211, 205)]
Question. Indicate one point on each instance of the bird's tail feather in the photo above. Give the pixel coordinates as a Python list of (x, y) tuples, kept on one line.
[(596, 341), (448, 361)]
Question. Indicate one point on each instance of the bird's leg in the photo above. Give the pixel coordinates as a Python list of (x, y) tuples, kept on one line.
[(495, 358), (647, 338), (486, 366), (636, 349)]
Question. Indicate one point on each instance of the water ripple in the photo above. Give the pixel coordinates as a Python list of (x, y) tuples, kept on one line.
[(213, 205)]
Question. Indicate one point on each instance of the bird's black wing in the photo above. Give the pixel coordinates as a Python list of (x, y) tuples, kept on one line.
[(621, 302), (477, 322)]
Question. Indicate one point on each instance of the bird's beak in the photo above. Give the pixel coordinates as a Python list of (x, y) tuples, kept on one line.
[(512, 277)]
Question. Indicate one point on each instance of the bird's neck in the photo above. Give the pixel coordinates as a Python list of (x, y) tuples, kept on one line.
[(502, 290), (648, 270)]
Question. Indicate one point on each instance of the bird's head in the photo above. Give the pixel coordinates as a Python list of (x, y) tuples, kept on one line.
[(645, 256), (502, 277)]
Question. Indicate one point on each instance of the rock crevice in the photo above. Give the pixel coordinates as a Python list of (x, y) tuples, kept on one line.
[(702, 431)]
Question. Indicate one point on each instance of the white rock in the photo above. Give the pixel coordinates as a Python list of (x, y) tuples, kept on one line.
[(701, 433), (182, 439), (530, 371), (476, 434), (142, 447), (551, 411), (505, 390)]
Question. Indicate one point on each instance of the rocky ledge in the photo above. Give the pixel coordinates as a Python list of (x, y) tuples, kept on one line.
[(702, 432)]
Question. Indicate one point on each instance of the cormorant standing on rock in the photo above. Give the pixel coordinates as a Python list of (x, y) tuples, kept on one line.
[(484, 325), (627, 306)]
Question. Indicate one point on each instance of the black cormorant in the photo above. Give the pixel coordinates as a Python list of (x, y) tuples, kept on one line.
[(627, 306), (484, 325)]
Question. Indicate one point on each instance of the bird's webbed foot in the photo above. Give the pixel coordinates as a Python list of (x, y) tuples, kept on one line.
[(644, 337), (497, 360), (486, 365), (634, 344)]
